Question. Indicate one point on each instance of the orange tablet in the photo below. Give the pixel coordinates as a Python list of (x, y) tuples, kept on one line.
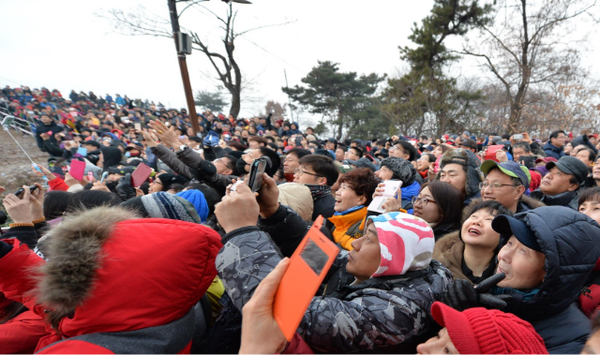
[(305, 273)]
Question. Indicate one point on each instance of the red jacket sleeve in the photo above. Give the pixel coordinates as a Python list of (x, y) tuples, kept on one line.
[(16, 269), (58, 184)]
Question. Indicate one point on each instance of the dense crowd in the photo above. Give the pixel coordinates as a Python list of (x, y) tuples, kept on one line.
[(487, 244)]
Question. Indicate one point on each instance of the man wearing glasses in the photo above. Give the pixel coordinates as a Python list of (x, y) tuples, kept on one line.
[(292, 162), (506, 183), (318, 173), (225, 165)]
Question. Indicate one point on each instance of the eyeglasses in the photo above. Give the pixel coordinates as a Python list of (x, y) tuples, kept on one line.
[(494, 186), (300, 172), (221, 161), (420, 201)]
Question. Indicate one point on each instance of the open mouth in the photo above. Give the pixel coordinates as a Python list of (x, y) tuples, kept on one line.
[(473, 231)]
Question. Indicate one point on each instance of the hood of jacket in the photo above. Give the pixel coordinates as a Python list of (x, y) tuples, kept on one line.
[(298, 197), (110, 271), (571, 242), (112, 156)]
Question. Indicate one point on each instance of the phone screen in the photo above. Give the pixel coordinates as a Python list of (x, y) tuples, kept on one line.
[(314, 256), (256, 175)]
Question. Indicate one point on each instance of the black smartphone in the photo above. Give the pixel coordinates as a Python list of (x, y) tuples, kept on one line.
[(21, 190), (257, 169)]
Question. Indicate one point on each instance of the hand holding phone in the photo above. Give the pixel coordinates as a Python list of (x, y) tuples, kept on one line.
[(310, 263)]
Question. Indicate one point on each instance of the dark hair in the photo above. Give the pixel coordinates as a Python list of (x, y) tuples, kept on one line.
[(592, 154), (298, 152), (524, 145), (88, 199), (591, 194), (358, 151), (237, 146), (196, 139), (275, 161), (406, 146), (430, 157), (556, 133), (448, 200), (259, 140), (56, 204), (489, 206), (322, 166), (363, 181)]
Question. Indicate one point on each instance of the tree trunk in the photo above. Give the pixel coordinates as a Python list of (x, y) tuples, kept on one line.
[(234, 110)]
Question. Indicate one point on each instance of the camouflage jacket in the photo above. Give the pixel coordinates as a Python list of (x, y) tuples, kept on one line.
[(390, 314)]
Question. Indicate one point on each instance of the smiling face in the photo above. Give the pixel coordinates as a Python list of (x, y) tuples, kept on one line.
[(523, 266), (346, 198), (477, 230), (508, 193), (365, 258)]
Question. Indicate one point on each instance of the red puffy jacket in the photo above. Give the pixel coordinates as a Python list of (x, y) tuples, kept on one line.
[(115, 282)]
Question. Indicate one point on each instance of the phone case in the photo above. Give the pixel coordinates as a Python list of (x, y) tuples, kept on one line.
[(490, 154), (141, 174), (77, 169), (300, 282)]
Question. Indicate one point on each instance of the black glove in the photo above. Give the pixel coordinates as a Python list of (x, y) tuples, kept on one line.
[(462, 295), (124, 188)]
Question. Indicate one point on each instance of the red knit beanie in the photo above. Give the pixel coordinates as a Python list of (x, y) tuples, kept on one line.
[(483, 331)]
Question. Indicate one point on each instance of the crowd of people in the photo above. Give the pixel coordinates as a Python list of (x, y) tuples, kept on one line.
[(491, 244)]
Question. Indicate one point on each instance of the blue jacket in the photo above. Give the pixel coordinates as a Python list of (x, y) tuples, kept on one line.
[(408, 193), (571, 243), (553, 151)]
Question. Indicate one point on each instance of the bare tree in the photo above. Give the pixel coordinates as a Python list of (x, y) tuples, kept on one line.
[(529, 46), (141, 22)]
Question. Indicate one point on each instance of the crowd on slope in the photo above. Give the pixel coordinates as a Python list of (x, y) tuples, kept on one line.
[(490, 245)]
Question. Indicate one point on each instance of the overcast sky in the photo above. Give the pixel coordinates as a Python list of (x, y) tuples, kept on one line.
[(62, 44)]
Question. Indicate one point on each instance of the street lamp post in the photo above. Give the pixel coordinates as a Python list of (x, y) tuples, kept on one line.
[(185, 76)]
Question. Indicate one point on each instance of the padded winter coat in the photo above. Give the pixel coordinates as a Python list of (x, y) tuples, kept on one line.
[(114, 283), (384, 314), (571, 242)]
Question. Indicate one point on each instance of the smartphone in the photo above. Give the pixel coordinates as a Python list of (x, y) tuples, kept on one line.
[(139, 137), (490, 153), (77, 169), (518, 137), (257, 169), (90, 176), (140, 174), (137, 126), (104, 175), (310, 263), (21, 190)]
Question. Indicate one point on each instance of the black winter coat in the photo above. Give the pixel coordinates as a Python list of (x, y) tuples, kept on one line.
[(571, 243)]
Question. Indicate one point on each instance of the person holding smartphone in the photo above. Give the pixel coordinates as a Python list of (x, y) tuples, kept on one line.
[(379, 293)]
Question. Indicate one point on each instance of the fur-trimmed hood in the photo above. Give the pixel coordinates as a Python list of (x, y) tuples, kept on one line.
[(110, 271)]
